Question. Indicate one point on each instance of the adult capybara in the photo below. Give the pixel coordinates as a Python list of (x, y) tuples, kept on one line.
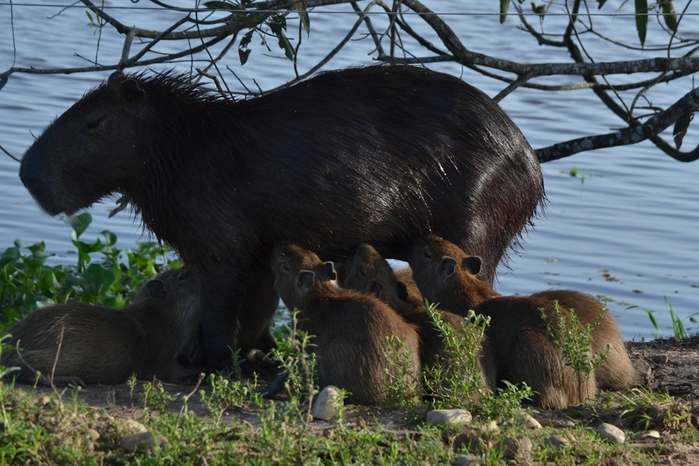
[(446, 275), (366, 271), (94, 344), (380, 155), (350, 328)]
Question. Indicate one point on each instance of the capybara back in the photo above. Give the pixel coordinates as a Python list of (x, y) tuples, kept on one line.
[(95, 344)]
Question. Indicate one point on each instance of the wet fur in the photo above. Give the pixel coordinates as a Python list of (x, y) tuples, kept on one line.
[(376, 154), (101, 345), (350, 328)]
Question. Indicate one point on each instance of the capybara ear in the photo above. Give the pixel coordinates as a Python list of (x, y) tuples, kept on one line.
[(306, 279), (376, 288), (473, 264), (402, 290), (447, 267), (329, 269), (156, 288), (115, 77), (131, 93)]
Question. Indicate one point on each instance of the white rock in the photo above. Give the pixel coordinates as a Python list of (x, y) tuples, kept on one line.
[(325, 406), (610, 432), (527, 421), (449, 416)]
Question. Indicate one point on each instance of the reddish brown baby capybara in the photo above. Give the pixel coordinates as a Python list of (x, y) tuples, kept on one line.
[(376, 154), (95, 344), (365, 270), (446, 275), (350, 328)]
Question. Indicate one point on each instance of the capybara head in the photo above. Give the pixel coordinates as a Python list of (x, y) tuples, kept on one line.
[(296, 271), (365, 270), (99, 145), (446, 275)]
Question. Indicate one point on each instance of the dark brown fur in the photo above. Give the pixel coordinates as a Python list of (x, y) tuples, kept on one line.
[(446, 275), (96, 344), (366, 271), (350, 328), (377, 154)]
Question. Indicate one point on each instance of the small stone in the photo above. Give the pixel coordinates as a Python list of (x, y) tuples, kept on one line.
[(143, 442), (659, 358), (610, 432), (557, 423), (449, 416), (558, 441), (128, 426), (491, 427), (325, 406), (527, 421), (468, 460), (515, 448), (642, 367), (649, 436), (469, 440), (93, 434)]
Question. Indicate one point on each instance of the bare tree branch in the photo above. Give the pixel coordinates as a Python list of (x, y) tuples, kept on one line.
[(648, 130)]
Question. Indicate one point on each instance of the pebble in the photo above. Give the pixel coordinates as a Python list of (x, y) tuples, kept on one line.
[(649, 436), (513, 448), (610, 432), (491, 427), (468, 460), (449, 416), (558, 441), (127, 426), (659, 358), (642, 367), (325, 406), (527, 421), (143, 442)]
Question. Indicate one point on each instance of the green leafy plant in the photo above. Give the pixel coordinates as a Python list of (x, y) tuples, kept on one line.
[(296, 359), (103, 274), (224, 393), (455, 379), (402, 387), (155, 397), (574, 340), (678, 328)]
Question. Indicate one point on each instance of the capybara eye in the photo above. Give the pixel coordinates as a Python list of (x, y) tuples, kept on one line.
[(94, 124), (183, 275), (362, 270), (286, 267), (427, 253)]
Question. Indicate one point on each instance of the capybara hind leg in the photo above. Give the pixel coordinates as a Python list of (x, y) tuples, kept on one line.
[(542, 366)]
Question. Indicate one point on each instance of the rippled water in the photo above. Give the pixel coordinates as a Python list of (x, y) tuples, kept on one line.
[(628, 232)]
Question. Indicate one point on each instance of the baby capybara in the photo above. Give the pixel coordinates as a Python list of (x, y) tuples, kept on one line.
[(376, 154), (365, 270), (446, 275), (95, 344), (350, 328)]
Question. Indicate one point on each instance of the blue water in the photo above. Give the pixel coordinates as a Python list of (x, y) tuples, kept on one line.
[(627, 232)]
